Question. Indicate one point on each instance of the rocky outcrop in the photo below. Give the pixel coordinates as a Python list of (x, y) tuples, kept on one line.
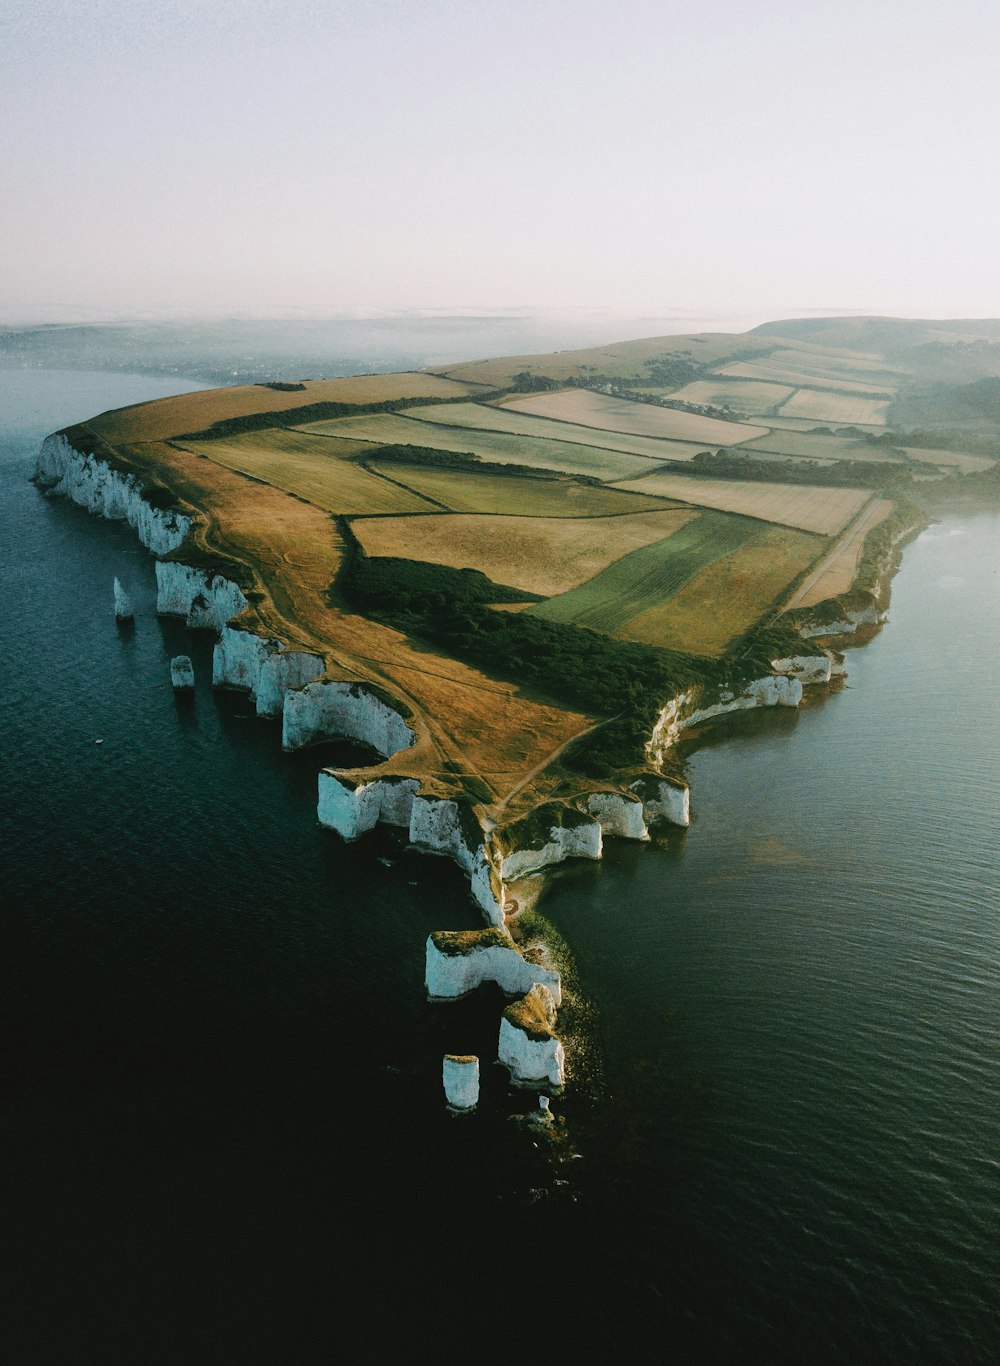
[(814, 668), (528, 1047), (181, 673), (261, 666), (461, 1081), (321, 710), (206, 600), (548, 835), (459, 961), (353, 808), (663, 799), (123, 603), (618, 814), (93, 484), (846, 624), (760, 692)]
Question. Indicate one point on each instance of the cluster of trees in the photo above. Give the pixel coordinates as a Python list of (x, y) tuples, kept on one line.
[(732, 464)]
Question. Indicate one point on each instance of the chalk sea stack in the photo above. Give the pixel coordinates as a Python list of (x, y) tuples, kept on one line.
[(123, 603), (182, 673)]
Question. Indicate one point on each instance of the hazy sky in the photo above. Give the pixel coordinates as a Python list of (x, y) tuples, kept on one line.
[(742, 157)]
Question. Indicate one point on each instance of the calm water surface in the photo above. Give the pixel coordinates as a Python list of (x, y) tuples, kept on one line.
[(223, 1124)]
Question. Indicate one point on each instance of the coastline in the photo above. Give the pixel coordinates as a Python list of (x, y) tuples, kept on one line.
[(502, 860)]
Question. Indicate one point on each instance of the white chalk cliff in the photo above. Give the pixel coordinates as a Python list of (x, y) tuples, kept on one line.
[(123, 603), (261, 666), (528, 1048), (457, 962), (320, 710), (461, 1081)]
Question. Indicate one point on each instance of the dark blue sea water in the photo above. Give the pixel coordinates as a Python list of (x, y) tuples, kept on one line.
[(223, 1131)]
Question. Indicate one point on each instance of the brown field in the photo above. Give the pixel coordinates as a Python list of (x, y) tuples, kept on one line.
[(309, 467), (498, 448), (485, 728), (167, 417), (484, 491), (798, 378), (499, 417), (836, 572), (642, 419), (809, 508), (842, 409), (746, 395), (728, 596), (544, 555)]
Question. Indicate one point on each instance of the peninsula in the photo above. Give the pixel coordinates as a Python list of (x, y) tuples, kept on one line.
[(520, 581)]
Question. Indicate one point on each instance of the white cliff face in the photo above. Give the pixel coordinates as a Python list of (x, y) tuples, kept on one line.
[(123, 603), (448, 975), (93, 484), (618, 814), (664, 799), (817, 668), (846, 625), (532, 1055), (204, 599), (665, 733), (760, 692), (181, 672), (436, 826), (262, 666), (321, 710), (354, 809), (461, 1081), (565, 841)]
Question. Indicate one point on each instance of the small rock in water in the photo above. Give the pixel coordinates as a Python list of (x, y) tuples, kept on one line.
[(123, 604), (181, 672)]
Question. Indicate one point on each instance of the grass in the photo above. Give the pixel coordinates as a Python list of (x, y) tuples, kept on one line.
[(504, 448), (532, 1014), (482, 490), (837, 572), (645, 578), (311, 468), (639, 419), (799, 378), (727, 597), (543, 555), (747, 395), (502, 418), (806, 506)]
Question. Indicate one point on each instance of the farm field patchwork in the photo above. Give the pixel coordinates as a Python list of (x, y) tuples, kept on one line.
[(803, 379), (167, 417), (543, 555), (742, 395), (482, 490), (813, 446), (642, 419), (951, 460), (501, 418), (854, 363), (808, 507), (642, 580), (838, 408), (389, 429), (304, 466), (728, 596)]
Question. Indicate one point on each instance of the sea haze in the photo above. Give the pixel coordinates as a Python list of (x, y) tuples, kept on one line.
[(225, 1134)]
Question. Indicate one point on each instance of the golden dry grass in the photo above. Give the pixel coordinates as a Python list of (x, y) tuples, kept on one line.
[(308, 466), (728, 596), (544, 555), (842, 409), (167, 417), (836, 572), (640, 419), (500, 417), (810, 508)]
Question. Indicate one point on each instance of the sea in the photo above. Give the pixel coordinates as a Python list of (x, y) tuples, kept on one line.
[(223, 1130)]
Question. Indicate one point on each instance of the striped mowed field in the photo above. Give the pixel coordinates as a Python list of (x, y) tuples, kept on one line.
[(647, 577), (486, 490), (641, 419), (807, 506)]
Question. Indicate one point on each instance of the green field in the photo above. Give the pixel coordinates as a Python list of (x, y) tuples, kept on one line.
[(648, 577), (807, 446), (389, 429), (482, 417), (484, 491), (309, 467)]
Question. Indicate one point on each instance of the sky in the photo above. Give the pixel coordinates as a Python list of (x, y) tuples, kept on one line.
[(741, 159)]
